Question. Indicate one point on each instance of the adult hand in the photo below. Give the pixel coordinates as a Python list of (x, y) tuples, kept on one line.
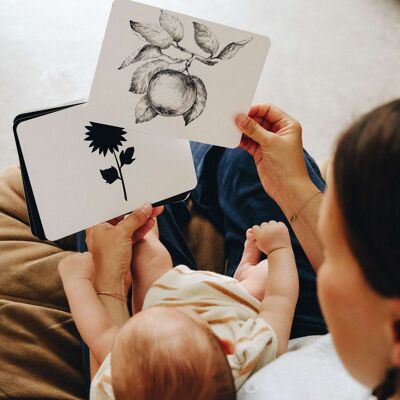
[(111, 246), (273, 138)]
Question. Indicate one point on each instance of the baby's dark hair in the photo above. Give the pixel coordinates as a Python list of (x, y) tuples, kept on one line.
[(367, 181), (160, 360)]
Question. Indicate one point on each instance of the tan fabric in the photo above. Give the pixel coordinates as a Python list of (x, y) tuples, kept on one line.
[(40, 350), (205, 242)]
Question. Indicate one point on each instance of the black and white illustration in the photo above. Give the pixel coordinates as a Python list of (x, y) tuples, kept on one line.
[(167, 86), (169, 74), (108, 138), (79, 183)]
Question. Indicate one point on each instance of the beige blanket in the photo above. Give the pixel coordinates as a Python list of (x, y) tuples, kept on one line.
[(40, 351)]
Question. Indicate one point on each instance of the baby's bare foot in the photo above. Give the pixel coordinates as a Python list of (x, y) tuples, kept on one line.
[(150, 260), (251, 255), (149, 253)]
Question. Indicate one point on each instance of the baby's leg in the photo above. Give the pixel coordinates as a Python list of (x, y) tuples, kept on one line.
[(150, 260), (252, 273)]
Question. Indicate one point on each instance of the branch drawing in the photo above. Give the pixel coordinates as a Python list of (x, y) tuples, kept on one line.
[(167, 86), (109, 138)]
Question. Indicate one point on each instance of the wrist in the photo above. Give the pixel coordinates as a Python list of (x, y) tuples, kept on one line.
[(111, 285), (293, 194), (279, 249)]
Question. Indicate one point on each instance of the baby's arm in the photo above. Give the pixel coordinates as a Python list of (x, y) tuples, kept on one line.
[(282, 288), (92, 320)]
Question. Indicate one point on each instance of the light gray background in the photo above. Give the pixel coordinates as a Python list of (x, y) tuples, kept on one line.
[(330, 60)]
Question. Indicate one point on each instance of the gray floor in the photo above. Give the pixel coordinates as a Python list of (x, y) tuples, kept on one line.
[(330, 60)]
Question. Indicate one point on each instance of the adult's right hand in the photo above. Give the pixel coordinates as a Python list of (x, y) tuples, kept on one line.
[(274, 139)]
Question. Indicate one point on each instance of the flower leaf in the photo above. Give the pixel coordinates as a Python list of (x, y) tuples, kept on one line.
[(146, 52), (200, 102), (126, 156), (141, 77), (110, 175), (205, 39), (172, 25), (143, 111), (153, 34), (231, 49)]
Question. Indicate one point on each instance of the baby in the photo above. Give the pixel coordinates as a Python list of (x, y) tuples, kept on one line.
[(194, 334)]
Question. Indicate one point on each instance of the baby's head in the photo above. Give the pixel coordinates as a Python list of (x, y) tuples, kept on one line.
[(168, 353)]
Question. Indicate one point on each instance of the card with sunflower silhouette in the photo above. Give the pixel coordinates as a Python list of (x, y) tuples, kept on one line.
[(78, 173), (169, 74)]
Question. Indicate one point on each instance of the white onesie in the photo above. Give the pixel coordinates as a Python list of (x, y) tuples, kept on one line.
[(228, 308)]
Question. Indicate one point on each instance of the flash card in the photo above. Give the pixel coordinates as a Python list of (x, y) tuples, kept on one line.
[(78, 173), (172, 75)]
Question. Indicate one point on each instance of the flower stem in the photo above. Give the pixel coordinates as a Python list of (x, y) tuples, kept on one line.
[(120, 176)]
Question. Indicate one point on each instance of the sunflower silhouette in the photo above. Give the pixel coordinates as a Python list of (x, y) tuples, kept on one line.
[(109, 138)]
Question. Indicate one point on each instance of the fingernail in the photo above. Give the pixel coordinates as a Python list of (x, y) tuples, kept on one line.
[(241, 119), (147, 208)]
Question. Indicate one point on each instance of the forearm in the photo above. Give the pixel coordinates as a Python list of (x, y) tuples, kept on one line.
[(283, 277), (281, 294), (291, 200), (89, 314), (117, 309)]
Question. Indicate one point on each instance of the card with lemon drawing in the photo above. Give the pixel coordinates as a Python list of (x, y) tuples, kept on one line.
[(168, 74)]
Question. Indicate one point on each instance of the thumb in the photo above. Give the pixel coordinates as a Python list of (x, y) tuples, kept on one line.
[(252, 129), (136, 218)]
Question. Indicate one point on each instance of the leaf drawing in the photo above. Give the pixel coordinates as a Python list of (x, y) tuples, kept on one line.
[(126, 156), (168, 87), (172, 25), (146, 52), (205, 39), (110, 175), (231, 49), (143, 111), (200, 102), (141, 77), (153, 34)]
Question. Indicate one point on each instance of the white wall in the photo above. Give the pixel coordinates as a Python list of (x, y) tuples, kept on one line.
[(330, 59)]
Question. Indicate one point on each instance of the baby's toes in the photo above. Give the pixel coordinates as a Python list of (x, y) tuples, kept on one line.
[(251, 253)]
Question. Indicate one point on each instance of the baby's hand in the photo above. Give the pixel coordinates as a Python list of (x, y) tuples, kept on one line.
[(271, 236), (76, 266)]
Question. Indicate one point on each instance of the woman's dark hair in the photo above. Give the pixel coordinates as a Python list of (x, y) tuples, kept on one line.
[(367, 181)]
